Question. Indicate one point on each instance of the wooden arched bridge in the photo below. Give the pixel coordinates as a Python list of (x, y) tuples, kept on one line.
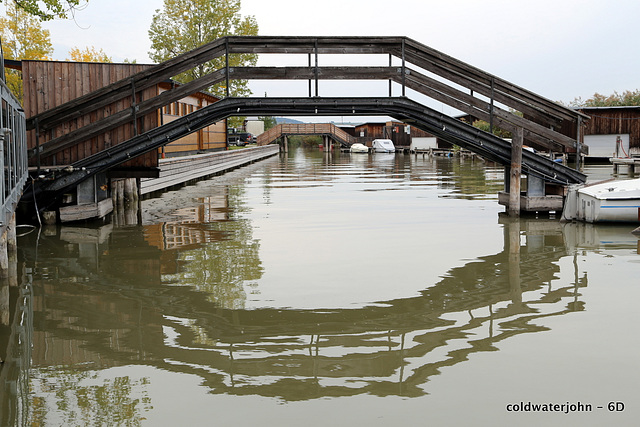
[(326, 130), (72, 134)]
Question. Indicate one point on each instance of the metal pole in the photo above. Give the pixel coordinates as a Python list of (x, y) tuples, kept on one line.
[(403, 70), (578, 132), (316, 71), (310, 93), (390, 81), (491, 106), (226, 58)]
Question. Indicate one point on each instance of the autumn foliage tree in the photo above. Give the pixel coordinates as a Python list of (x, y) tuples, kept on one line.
[(48, 9), (22, 38), (184, 25), (88, 54)]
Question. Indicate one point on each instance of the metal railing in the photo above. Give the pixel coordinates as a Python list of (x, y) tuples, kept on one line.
[(13, 152)]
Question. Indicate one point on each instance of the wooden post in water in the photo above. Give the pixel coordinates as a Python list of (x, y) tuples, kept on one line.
[(516, 172), (4, 256), (8, 247), (513, 240)]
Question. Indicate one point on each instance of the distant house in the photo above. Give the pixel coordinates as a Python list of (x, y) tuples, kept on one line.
[(254, 126), (211, 138), (395, 131), (404, 137), (612, 131)]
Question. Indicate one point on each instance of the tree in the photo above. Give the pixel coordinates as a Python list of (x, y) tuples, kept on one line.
[(269, 122), (22, 38), (88, 54), (626, 98), (184, 25), (48, 9)]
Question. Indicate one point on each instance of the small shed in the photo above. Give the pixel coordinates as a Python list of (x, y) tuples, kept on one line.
[(398, 132), (612, 131)]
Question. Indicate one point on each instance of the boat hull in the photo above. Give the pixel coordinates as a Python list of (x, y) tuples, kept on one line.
[(359, 148), (617, 201)]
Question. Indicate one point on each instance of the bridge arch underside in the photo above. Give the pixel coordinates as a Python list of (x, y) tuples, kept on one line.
[(449, 129), (412, 65)]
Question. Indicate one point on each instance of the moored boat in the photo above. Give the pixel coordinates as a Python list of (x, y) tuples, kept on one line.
[(358, 148), (607, 201), (383, 146)]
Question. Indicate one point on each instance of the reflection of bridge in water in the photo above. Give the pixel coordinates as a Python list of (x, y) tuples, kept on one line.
[(390, 347)]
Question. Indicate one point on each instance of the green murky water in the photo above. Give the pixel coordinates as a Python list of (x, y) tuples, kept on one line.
[(343, 290)]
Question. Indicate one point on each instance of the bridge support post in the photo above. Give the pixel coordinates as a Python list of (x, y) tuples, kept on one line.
[(513, 242), (8, 247), (515, 172), (285, 144), (327, 143)]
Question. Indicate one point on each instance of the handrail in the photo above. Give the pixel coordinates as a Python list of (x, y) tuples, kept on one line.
[(13, 153), (545, 115), (282, 129)]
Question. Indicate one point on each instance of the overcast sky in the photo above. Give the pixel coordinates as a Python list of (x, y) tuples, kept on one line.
[(560, 49)]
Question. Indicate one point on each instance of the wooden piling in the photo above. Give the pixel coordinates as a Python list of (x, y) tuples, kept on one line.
[(513, 239), (130, 190), (4, 256), (516, 172), (8, 247)]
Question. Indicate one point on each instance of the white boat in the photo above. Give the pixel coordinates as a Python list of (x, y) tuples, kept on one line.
[(608, 201), (358, 148), (383, 146)]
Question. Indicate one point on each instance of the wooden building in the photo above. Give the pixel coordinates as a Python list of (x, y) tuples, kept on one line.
[(211, 138), (612, 131), (48, 84), (398, 132)]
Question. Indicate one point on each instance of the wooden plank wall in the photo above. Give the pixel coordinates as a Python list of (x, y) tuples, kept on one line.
[(608, 121), (48, 84), (615, 121), (213, 137)]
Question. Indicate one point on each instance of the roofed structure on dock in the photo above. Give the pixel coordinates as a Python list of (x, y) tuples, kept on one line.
[(612, 131), (49, 84)]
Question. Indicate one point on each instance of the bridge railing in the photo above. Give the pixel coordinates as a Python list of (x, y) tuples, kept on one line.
[(423, 69), (304, 129), (13, 152)]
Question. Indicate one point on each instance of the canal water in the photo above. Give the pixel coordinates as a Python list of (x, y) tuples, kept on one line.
[(314, 289)]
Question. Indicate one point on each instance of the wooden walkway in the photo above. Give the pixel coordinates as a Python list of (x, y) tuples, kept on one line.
[(290, 129), (412, 65)]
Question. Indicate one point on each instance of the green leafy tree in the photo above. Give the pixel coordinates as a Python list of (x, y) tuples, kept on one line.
[(48, 9), (184, 25), (22, 38), (485, 126), (624, 99), (269, 122)]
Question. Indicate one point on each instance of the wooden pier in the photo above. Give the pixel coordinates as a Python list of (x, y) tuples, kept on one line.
[(632, 164), (180, 170)]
